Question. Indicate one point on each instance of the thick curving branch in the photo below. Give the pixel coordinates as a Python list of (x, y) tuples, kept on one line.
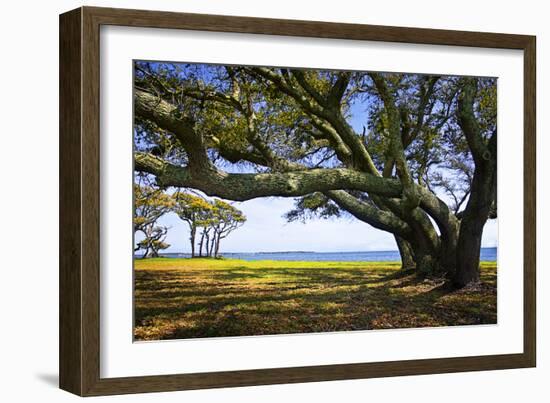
[(312, 92), (437, 209), (360, 156), (468, 122), (338, 89), (168, 117), (383, 220), (245, 186), (165, 115), (394, 127)]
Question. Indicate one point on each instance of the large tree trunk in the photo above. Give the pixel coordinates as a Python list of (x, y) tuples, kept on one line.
[(425, 248), (427, 263), (469, 245), (473, 220), (483, 188), (448, 255), (428, 260), (406, 253)]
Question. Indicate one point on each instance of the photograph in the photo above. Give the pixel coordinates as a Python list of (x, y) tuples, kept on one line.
[(273, 200)]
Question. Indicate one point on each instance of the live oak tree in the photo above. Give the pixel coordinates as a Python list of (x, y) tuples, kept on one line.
[(422, 166), (149, 205)]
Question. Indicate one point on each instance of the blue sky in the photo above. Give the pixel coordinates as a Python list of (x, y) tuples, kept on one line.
[(267, 231)]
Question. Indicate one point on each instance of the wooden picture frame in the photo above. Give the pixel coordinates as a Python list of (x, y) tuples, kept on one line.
[(80, 184)]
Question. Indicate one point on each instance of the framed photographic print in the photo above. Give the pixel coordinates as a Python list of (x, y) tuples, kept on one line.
[(250, 201)]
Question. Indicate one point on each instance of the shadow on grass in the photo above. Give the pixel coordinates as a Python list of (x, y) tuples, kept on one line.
[(239, 301)]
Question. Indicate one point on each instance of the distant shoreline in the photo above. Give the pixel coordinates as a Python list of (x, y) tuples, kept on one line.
[(306, 251), (487, 254)]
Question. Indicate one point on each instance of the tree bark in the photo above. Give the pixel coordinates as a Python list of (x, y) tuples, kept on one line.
[(471, 228), (192, 240), (406, 252), (207, 246), (246, 186), (211, 246), (483, 188), (217, 248), (201, 244), (469, 245)]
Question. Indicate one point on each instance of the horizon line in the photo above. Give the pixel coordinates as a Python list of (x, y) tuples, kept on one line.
[(302, 251)]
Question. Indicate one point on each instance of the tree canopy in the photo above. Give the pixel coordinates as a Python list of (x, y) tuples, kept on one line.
[(421, 162)]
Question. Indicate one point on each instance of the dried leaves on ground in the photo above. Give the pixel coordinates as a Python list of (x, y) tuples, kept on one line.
[(190, 298)]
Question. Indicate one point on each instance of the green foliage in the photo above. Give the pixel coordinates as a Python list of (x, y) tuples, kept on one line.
[(216, 219), (149, 205), (487, 107), (191, 208), (313, 205)]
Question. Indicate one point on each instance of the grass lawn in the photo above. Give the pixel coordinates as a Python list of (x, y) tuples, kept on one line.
[(188, 298)]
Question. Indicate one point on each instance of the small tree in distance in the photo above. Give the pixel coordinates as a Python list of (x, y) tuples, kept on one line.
[(227, 219), (153, 241), (193, 210), (149, 205), (215, 220)]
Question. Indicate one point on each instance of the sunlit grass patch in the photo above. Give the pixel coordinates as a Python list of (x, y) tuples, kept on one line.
[(189, 298)]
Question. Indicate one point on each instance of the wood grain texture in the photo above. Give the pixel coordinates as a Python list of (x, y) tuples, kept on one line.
[(70, 275), (530, 202), (313, 29), (90, 202), (80, 195)]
